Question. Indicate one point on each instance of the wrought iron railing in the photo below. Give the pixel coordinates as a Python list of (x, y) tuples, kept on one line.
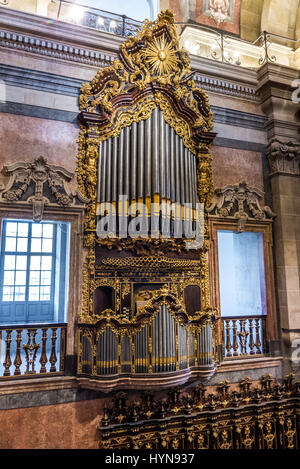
[(212, 44), (100, 20), (33, 350), (215, 44), (244, 336)]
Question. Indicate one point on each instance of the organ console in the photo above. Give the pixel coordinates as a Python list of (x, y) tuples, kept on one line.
[(145, 166)]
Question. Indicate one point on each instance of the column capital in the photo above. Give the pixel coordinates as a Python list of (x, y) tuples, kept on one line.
[(284, 157)]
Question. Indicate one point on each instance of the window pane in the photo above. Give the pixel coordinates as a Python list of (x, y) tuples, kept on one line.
[(23, 229), (36, 230), (47, 245), (34, 277), (45, 293), (35, 262), (32, 253), (241, 271), (47, 230), (36, 244), (11, 229), (21, 263), (10, 244), (46, 277), (46, 262), (22, 245), (19, 293), (9, 262), (20, 277), (9, 277), (8, 293), (34, 293)]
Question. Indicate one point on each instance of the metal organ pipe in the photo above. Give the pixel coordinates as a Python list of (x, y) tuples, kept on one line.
[(155, 150), (140, 181), (133, 162), (148, 163)]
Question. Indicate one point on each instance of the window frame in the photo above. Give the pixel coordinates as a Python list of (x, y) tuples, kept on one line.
[(266, 228), (28, 253), (57, 304)]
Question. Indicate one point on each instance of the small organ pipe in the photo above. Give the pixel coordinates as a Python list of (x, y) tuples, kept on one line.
[(155, 150), (140, 181), (108, 173), (148, 157), (162, 166), (172, 165), (133, 160), (120, 162), (167, 131), (114, 169)]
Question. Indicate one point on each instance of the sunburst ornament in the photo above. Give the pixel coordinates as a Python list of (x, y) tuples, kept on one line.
[(161, 56)]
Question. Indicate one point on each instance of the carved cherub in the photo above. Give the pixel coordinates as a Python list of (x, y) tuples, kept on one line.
[(219, 10), (219, 5)]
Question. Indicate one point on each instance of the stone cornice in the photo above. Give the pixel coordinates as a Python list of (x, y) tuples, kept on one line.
[(74, 35)]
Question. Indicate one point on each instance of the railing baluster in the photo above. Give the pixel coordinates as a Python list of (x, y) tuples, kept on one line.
[(18, 360), (235, 343), (257, 340), (62, 349), (43, 359), (7, 362), (251, 341), (228, 342), (53, 357), (31, 349), (243, 335)]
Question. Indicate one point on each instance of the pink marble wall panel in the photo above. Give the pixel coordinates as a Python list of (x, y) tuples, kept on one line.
[(24, 138), (63, 426), (231, 166)]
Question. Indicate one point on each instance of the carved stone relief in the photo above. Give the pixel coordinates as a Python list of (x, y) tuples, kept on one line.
[(39, 183), (284, 157), (241, 202)]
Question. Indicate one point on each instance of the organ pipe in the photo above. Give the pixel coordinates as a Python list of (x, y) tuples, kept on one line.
[(148, 163)]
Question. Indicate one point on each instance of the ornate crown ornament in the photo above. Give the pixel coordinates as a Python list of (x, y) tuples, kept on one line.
[(151, 70)]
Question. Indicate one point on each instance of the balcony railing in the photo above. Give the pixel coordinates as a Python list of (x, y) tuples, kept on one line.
[(33, 350), (244, 336), (94, 18), (200, 40)]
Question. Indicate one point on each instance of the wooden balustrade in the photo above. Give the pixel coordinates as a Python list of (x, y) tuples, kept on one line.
[(244, 336), (32, 350)]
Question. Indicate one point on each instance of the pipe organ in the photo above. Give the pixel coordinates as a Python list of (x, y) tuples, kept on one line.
[(147, 163), (144, 165)]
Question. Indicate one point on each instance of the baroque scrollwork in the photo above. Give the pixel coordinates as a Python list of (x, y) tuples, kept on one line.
[(241, 202), (48, 182)]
